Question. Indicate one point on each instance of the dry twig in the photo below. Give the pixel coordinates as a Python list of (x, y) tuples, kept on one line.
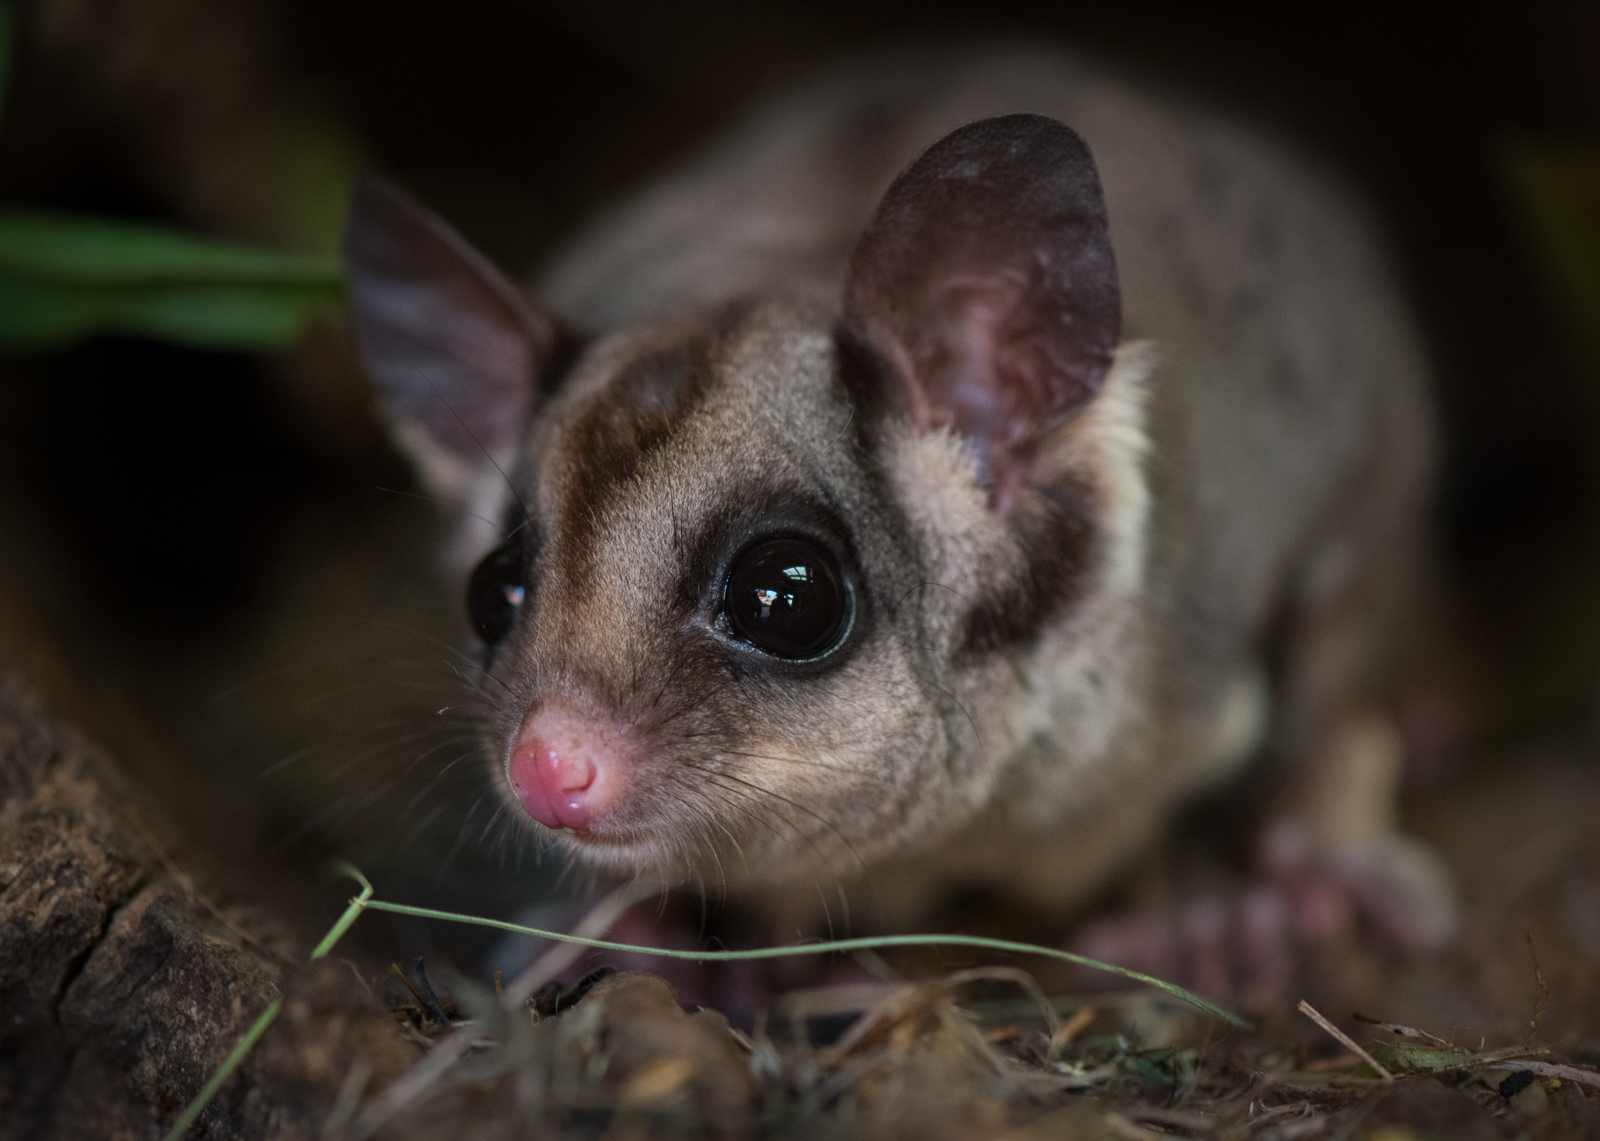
[(1348, 1042)]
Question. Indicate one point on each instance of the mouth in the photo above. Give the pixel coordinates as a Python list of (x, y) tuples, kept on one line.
[(600, 836), (624, 854), (601, 841)]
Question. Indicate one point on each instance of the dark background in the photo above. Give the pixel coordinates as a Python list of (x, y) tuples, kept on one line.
[(182, 528)]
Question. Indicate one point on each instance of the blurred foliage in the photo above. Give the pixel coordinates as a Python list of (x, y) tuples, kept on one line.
[(1554, 192), (311, 161), (65, 277)]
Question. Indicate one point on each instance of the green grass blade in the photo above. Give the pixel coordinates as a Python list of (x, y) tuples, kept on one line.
[(64, 277), (833, 945), (364, 901), (237, 1055), (89, 250), (351, 913), (37, 315)]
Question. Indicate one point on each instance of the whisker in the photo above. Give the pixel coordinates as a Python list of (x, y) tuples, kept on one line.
[(433, 499), (852, 770), (527, 515), (720, 779), (956, 701), (461, 839), (923, 585)]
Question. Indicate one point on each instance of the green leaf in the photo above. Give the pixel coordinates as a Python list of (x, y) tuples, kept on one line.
[(105, 251), (40, 315), (1411, 1057), (63, 278)]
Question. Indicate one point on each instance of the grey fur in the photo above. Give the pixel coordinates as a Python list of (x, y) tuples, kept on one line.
[(1252, 475)]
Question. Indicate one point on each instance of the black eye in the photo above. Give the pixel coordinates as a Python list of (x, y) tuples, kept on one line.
[(495, 592), (786, 596)]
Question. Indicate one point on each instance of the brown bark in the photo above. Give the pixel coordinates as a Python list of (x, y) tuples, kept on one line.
[(123, 987)]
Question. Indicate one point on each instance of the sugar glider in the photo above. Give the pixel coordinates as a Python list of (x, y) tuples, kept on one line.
[(934, 485)]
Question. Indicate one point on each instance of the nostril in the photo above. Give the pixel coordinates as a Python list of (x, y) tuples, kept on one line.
[(563, 772), (553, 786)]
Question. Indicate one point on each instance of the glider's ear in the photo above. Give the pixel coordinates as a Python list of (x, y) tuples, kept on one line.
[(986, 286), (455, 347)]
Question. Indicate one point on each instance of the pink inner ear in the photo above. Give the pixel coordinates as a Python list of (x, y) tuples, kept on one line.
[(987, 283), (979, 371), (965, 360)]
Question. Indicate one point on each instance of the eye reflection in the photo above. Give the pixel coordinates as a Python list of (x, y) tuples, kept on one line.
[(495, 592), (787, 597)]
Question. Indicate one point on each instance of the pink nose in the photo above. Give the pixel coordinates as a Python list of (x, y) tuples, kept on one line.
[(564, 768)]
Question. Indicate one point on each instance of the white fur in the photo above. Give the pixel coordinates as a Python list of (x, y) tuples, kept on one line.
[(1115, 425)]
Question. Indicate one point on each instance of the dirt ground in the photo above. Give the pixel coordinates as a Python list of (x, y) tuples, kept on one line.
[(132, 965)]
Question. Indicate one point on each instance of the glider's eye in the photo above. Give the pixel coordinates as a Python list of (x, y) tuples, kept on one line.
[(787, 598)]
